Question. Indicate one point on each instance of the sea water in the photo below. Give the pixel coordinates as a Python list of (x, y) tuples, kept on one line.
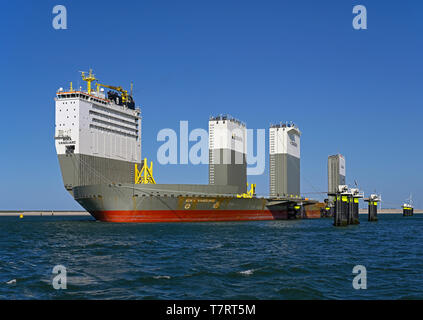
[(302, 259)]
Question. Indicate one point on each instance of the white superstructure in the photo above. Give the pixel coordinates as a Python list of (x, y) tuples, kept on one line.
[(94, 126), (285, 139), (97, 138), (229, 134)]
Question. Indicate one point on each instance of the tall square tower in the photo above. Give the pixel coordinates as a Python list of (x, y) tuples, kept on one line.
[(284, 144), (336, 172), (227, 152)]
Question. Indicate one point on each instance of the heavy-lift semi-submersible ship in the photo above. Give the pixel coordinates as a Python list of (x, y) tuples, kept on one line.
[(98, 143)]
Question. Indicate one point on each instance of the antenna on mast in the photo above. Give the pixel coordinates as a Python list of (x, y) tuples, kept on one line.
[(90, 78), (410, 199)]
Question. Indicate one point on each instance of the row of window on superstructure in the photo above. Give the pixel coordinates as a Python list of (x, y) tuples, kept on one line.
[(118, 113), (93, 126), (107, 123), (108, 117)]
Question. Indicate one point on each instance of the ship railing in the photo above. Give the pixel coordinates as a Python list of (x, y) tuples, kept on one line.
[(188, 194)]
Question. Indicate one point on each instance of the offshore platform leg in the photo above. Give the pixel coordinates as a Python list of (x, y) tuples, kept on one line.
[(325, 212), (350, 210), (345, 210), (373, 200), (356, 216), (407, 211), (341, 211), (299, 212), (336, 212), (347, 206), (372, 211)]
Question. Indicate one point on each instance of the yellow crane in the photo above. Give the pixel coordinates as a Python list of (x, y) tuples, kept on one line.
[(124, 98), (120, 89), (90, 78)]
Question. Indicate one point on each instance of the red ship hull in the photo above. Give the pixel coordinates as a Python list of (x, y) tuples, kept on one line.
[(188, 216), (145, 216), (145, 204)]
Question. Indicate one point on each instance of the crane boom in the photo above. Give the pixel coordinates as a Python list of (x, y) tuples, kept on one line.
[(120, 89)]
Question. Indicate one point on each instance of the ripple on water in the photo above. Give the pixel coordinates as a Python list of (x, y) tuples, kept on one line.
[(307, 259)]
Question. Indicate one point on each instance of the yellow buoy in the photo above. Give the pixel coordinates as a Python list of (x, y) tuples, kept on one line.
[(21, 216)]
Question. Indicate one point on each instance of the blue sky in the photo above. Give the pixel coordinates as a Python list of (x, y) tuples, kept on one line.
[(358, 93)]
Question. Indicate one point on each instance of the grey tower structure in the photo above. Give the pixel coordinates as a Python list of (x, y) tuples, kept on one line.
[(336, 173), (227, 152), (284, 144)]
